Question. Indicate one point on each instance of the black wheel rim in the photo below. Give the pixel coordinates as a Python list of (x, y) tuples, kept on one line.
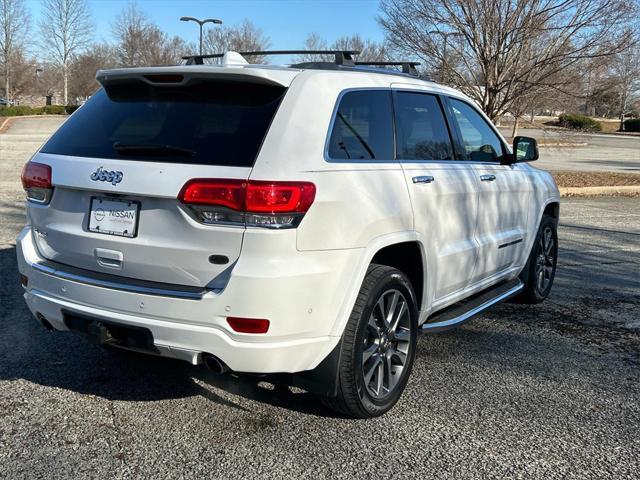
[(386, 344)]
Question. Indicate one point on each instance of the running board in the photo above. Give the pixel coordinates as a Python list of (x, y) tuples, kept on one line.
[(459, 313)]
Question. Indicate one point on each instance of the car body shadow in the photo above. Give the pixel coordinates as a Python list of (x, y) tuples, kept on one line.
[(67, 360)]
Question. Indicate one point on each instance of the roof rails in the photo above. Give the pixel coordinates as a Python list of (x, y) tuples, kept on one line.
[(407, 67), (341, 57)]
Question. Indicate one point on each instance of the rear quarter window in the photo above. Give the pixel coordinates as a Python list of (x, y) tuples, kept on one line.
[(205, 122), (362, 127)]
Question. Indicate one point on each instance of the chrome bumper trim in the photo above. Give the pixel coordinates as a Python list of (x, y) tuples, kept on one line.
[(190, 294)]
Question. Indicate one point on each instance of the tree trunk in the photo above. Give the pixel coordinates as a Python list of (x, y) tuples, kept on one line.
[(65, 79), (7, 94), (514, 132), (623, 107)]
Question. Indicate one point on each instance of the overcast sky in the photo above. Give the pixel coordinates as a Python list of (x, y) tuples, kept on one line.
[(286, 22)]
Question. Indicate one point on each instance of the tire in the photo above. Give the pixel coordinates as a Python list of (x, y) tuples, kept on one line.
[(540, 269), (377, 355)]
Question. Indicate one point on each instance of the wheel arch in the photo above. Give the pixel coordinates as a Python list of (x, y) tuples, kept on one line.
[(551, 208), (387, 249), (408, 258)]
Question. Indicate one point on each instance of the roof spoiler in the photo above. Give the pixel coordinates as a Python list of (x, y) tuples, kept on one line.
[(181, 75)]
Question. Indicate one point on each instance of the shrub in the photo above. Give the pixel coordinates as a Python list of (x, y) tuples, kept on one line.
[(54, 110), (579, 122), (18, 110), (632, 125)]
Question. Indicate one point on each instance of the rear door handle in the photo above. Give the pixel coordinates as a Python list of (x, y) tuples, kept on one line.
[(423, 179), (487, 178)]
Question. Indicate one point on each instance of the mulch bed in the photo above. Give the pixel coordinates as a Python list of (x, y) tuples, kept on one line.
[(596, 179)]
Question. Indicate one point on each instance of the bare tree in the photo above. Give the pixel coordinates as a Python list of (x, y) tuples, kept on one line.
[(14, 22), (23, 74), (48, 82), (131, 30), (626, 68), (370, 51), (82, 73), (244, 37), (504, 49), (142, 43), (66, 30)]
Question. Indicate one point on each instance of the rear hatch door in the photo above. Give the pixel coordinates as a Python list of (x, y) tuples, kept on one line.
[(120, 161)]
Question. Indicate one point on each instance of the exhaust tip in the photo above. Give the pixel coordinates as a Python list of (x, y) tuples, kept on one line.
[(214, 364), (45, 323)]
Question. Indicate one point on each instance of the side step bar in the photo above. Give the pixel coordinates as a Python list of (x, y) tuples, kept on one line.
[(458, 313)]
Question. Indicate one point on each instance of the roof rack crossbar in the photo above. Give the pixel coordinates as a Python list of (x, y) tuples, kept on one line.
[(341, 57), (407, 67)]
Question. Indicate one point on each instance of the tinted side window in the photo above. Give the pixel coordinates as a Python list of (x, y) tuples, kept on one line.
[(363, 127), (421, 131), (480, 142)]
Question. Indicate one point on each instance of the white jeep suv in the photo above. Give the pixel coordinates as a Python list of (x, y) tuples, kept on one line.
[(304, 221)]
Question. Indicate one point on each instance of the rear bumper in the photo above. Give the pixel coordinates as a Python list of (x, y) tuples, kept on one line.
[(302, 310)]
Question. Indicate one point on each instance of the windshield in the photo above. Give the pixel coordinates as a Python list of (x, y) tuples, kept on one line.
[(206, 122)]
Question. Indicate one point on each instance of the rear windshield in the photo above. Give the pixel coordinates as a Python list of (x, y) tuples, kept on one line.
[(205, 122)]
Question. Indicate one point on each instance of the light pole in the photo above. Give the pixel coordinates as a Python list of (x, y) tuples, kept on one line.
[(445, 36), (201, 23), (39, 70)]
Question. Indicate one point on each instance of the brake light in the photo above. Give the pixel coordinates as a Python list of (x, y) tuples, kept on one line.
[(280, 197), (223, 193), (252, 203), (164, 78), (36, 181), (248, 325)]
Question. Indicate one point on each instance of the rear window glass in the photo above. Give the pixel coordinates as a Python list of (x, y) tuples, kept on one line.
[(205, 122), (363, 127)]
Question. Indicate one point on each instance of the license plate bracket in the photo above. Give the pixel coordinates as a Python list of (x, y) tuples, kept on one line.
[(114, 216)]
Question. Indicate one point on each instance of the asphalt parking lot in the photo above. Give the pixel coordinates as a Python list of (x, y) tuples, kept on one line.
[(547, 391), (592, 152)]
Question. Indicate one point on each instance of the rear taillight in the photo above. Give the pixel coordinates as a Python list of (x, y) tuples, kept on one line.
[(36, 181), (248, 202)]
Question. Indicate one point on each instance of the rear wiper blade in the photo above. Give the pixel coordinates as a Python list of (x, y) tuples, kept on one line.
[(153, 149)]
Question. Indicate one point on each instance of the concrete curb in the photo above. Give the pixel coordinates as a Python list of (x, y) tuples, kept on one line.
[(626, 190), (562, 145), (6, 123)]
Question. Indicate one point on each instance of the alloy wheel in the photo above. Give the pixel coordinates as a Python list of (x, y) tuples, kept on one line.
[(386, 344), (545, 261)]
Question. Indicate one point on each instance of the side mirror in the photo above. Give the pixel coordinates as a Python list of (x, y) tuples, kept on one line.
[(525, 149)]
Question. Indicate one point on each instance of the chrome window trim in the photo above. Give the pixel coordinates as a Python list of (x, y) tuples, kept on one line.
[(121, 286)]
